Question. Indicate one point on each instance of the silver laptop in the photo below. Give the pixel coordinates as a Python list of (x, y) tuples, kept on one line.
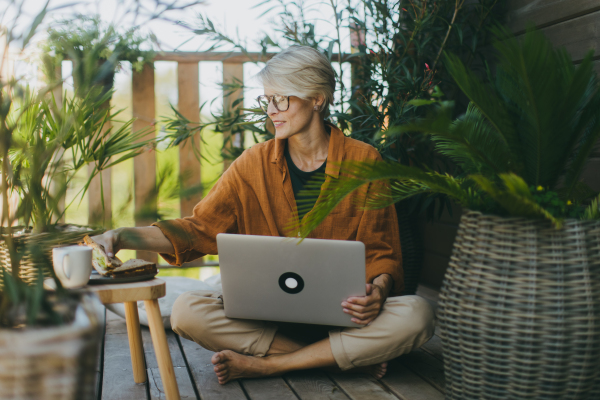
[(276, 279)]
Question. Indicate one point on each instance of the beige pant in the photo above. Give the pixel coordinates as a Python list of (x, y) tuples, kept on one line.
[(404, 324)]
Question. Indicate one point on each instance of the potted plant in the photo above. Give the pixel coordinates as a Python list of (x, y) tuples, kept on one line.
[(48, 339), (96, 50), (519, 304)]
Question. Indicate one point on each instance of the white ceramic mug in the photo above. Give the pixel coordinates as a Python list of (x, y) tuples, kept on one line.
[(72, 265)]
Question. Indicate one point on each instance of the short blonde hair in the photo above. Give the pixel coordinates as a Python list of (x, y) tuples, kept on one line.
[(300, 71)]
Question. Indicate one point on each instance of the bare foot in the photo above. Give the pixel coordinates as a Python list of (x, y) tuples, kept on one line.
[(377, 371), (230, 365)]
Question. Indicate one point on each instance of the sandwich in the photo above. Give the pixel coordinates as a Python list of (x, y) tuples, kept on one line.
[(134, 268), (112, 266), (101, 262)]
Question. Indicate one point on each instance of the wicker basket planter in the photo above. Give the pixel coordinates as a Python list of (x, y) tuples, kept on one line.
[(519, 310), (55, 363)]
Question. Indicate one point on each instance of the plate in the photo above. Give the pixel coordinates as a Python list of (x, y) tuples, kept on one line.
[(97, 279)]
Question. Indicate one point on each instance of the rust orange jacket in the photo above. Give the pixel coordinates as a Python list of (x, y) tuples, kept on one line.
[(255, 197)]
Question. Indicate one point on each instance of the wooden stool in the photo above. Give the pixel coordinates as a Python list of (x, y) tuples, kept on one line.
[(129, 294)]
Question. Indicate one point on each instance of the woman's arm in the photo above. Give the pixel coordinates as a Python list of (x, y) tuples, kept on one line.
[(148, 238)]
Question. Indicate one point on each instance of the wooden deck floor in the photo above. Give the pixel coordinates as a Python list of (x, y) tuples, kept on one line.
[(415, 376)]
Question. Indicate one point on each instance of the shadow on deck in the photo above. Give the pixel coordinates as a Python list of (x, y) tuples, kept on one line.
[(415, 376)]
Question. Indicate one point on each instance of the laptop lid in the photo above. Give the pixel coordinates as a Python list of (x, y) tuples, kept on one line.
[(279, 279)]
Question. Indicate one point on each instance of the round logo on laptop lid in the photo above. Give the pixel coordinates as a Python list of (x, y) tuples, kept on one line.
[(291, 283)]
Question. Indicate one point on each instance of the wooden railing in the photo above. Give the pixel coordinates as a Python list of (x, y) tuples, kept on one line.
[(143, 110)]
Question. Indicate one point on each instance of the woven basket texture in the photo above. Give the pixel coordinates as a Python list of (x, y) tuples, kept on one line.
[(70, 235), (519, 310), (55, 363), (412, 248)]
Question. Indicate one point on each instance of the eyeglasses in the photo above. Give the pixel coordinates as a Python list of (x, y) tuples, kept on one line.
[(281, 103)]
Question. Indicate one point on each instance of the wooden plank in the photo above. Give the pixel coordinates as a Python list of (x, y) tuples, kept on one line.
[(117, 377), (100, 361), (591, 173), (205, 379), (578, 35), (144, 165), (100, 191), (408, 385), (438, 237), (115, 324), (189, 106), (186, 391), (359, 387), (426, 366), (268, 389), (227, 57), (313, 385), (186, 387), (176, 355), (232, 74), (546, 12), (434, 268)]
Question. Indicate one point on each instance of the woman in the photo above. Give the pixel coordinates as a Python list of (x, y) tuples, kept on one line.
[(258, 195)]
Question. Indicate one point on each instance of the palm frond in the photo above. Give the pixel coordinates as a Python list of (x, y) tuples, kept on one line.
[(491, 106), (470, 141), (548, 99), (475, 145), (376, 174), (514, 197), (588, 134)]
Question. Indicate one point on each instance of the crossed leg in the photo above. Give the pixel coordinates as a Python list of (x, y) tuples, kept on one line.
[(284, 355), (248, 348)]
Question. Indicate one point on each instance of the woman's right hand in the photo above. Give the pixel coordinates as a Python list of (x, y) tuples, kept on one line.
[(110, 241)]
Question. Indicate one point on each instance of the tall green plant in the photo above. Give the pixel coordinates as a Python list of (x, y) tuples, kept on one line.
[(521, 146), (42, 140), (51, 141)]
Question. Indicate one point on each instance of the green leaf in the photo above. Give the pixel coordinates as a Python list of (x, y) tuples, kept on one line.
[(421, 102), (375, 174), (11, 287), (514, 197), (593, 210), (35, 297)]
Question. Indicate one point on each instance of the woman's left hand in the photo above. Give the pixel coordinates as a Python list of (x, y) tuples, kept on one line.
[(365, 309)]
